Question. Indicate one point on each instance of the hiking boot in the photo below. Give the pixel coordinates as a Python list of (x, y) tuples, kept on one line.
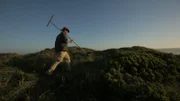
[(49, 73), (68, 67)]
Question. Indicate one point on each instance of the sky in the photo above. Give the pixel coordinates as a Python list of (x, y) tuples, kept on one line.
[(96, 24)]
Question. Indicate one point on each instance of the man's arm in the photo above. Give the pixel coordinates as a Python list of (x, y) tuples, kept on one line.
[(65, 39)]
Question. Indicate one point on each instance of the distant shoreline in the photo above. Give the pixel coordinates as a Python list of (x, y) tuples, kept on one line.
[(166, 50), (170, 50)]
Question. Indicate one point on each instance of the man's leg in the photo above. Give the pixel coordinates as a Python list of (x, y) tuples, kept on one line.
[(68, 62), (60, 56)]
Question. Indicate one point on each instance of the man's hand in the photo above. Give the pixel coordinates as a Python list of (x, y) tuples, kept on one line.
[(71, 41)]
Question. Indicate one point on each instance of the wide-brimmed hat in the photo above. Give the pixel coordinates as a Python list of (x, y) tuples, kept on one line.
[(65, 28)]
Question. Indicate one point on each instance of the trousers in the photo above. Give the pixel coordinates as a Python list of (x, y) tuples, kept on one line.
[(62, 55)]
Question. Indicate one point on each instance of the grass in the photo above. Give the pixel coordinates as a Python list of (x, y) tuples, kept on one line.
[(126, 74)]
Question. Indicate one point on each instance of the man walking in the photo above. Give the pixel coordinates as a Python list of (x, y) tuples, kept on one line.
[(61, 45)]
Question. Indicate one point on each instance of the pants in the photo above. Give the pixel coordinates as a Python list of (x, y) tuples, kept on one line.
[(60, 56)]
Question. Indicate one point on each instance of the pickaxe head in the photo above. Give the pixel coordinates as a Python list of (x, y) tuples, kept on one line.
[(50, 20)]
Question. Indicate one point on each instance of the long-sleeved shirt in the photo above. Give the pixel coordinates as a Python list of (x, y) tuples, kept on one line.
[(61, 43)]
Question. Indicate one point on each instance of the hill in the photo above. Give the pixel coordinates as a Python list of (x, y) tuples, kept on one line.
[(125, 74)]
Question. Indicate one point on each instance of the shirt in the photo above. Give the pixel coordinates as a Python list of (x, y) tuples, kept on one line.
[(61, 43)]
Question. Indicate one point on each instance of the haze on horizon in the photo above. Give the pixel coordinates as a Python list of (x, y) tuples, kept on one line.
[(96, 24)]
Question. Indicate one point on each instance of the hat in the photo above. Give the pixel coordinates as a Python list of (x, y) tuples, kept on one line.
[(65, 28)]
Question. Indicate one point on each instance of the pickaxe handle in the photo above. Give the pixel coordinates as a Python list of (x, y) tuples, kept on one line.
[(77, 45)]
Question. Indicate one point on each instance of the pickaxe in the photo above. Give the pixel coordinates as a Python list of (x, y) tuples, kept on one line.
[(50, 21)]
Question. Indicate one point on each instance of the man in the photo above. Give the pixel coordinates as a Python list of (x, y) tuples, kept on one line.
[(61, 45)]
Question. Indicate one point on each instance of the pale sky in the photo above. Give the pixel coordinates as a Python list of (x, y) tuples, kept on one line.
[(96, 24)]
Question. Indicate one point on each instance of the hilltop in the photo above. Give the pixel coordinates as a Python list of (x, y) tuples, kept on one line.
[(124, 74)]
